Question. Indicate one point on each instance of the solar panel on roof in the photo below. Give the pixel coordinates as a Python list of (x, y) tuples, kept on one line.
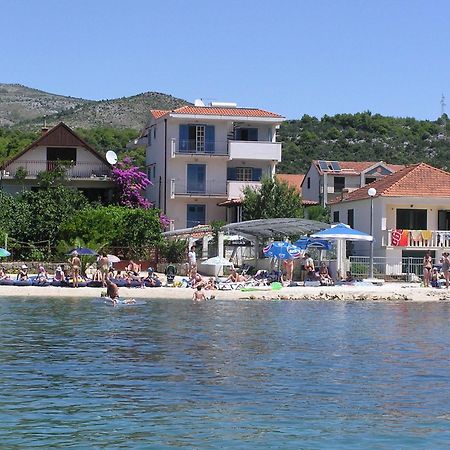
[(323, 166), (335, 166)]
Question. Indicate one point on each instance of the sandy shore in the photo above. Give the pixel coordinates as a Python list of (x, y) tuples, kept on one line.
[(386, 292)]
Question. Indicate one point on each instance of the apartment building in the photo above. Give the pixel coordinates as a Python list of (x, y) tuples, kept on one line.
[(200, 158)]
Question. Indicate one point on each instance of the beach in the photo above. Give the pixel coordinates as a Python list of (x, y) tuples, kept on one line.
[(359, 291)]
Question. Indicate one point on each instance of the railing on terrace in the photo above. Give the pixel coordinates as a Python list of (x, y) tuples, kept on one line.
[(78, 170), (195, 147), (418, 239), (206, 189), (386, 267)]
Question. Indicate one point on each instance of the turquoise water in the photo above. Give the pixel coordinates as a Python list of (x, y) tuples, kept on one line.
[(224, 374)]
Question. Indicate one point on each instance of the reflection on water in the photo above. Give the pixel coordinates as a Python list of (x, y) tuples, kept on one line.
[(224, 374)]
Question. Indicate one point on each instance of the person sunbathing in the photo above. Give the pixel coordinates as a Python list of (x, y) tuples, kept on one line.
[(42, 276), (235, 277), (23, 273), (3, 274), (324, 275), (59, 274), (196, 280)]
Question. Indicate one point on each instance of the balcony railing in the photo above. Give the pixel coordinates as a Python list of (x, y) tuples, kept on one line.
[(417, 239), (206, 189), (235, 188), (78, 170), (195, 147)]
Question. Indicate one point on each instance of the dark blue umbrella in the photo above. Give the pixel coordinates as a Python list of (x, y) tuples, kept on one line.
[(282, 250), (306, 242), (83, 251)]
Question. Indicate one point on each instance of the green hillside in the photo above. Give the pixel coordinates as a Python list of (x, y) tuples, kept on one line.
[(363, 137)]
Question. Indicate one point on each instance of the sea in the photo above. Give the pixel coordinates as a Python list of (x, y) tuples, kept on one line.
[(76, 373)]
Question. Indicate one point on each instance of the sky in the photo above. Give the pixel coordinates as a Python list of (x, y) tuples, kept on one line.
[(293, 57)]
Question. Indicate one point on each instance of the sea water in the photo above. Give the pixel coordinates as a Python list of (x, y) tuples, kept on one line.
[(224, 374)]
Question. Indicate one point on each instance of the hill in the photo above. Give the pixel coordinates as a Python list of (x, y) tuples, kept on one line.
[(363, 137), (24, 108)]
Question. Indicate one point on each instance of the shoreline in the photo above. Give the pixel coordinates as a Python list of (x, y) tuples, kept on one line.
[(386, 292)]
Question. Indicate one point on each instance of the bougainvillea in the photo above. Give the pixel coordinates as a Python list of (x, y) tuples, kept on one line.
[(131, 182)]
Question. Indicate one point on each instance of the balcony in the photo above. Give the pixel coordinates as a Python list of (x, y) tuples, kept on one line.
[(80, 170), (235, 188), (262, 150), (414, 239), (197, 148), (181, 188)]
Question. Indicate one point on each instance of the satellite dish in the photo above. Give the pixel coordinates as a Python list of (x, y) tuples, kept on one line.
[(111, 157)]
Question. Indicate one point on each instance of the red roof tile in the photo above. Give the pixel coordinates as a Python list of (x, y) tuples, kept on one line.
[(416, 180), (216, 111), (293, 180)]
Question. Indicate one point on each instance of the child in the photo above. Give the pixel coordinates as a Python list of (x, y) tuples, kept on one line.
[(199, 294)]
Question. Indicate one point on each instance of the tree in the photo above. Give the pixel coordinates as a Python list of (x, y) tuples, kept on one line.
[(273, 199)]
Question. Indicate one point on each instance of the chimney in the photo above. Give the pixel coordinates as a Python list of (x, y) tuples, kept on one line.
[(45, 128)]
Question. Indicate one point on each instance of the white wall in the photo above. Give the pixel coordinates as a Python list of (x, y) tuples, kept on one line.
[(314, 192)]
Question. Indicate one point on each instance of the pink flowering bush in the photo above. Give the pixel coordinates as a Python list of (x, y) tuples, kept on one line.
[(132, 182)]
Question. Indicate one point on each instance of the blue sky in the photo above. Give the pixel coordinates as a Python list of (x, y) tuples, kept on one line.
[(293, 57)]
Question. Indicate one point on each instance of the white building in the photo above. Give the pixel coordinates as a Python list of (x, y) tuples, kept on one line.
[(201, 156), (86, 169), (411, 213), (326, 181)]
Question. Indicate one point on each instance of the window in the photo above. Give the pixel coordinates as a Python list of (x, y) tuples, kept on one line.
[(154, 132), (244, 174), (247, 134), (336, 216), (197, 138), (149, 173), (149, 137), (339, 184), (351, 217), (61, 154), (154, 171), (411, 219), (370, 180), (196, 215), (196, 178), (308, 182)]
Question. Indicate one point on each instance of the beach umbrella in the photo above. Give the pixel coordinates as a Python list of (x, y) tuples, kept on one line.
[(282, 250), (83, 251), (306, 242), (113, 258), (4, 253), (341, 233)]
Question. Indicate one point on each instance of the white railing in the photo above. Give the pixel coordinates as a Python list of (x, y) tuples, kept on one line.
[(255, 150), (386, 267), (193, 147), (235, 188), (419, 239), (207, 189), (78, 170)]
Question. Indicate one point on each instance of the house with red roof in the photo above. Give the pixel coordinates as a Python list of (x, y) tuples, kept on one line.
[(200, 158), (85, 168), (411, 213), (326, 181)]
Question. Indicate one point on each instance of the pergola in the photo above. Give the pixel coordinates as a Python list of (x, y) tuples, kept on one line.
[(274, 228)]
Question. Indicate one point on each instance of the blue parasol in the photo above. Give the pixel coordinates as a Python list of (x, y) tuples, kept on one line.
[(306, 242), (83, 251), (282, 250)]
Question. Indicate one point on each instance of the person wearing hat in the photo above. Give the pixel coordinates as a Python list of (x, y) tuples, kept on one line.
[(76, 266), (445, 261), (59, 274), (23, 273)]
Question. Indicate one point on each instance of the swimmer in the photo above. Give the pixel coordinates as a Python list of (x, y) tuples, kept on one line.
[(199, 294)]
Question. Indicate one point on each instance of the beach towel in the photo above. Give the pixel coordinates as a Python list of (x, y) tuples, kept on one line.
[(416, 235), (400, 238), (426, 235)]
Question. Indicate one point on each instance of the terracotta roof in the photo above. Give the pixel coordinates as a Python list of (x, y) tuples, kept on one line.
[(356, 167), (216, 111), (416, 180), (309, 202), (157, 113), (293, 180), (231, 202)]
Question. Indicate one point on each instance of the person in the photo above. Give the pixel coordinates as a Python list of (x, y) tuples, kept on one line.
[(349, 278), (209, 288), (42, 276), (434, 279), (133, 269), (235, 277), (192, 261), (103, 265), (76, 266), (199, 294), (59, 274), (289, 268), (151, 279), (324, 275), (427, 267), (23, 273), (309, 267), (3, 274), (196, 281), (445, 261), (112, 292)]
